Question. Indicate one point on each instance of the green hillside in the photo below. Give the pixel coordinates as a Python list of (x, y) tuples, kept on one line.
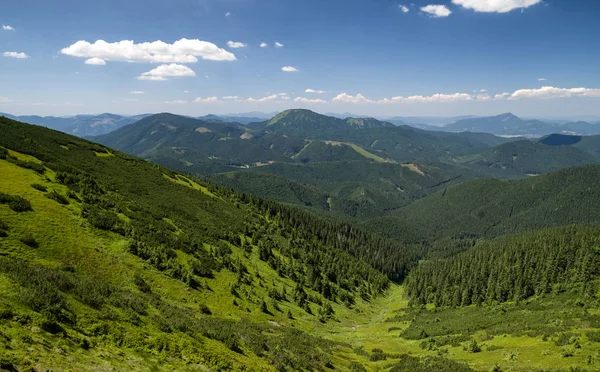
[(109, 255), (111, 262), (523, 158), (491, 207)]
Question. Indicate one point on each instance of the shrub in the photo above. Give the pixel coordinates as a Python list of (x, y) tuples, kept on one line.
[(39, 187), (141, 283), (29, 241), (57, 197), (473, 347), (593, 336), (567, 352), (205, 310), (16, 203)]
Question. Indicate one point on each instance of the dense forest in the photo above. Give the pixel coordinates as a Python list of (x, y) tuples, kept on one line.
[(511, 268)]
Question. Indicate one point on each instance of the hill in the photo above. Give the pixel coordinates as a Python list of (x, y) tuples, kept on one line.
[(522, 158), (81, 125), (491, 207), (511, 125), (111, 262), (105, 254)]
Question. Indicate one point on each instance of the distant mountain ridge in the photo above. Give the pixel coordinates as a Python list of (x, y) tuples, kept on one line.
[(80, 125), (509, 124)]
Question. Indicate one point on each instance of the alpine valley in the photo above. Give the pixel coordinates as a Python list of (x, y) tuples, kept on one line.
[(301, 242)]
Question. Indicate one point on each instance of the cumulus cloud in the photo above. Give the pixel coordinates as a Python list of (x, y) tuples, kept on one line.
[(314, 91), (227, 14), (15, 55), (404, 9), (8, 28), (553, 92), (136, 92), (438, 97), (161, 72), (289, 69), (181, 51), (437, 11), (230, 97), (501, 96), (264, 45), (542, 79), (206, 100), (278, 44), (176, 102), (309, 100), (263, 99), (95, 61), (435, 98), (236, 44), (346, 98), (495, 6)]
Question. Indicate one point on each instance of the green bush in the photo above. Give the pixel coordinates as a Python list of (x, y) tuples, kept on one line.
[(57, 197), (39, 187), (29, 241), (16, 203)]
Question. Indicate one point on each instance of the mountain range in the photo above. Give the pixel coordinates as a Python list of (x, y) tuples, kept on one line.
[(109, 261), (356, 168)]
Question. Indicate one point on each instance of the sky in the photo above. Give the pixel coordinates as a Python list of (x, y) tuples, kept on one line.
[(369, 57)]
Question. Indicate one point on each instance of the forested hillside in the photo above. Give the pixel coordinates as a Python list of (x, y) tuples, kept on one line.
[(111, 251), (110, 261)]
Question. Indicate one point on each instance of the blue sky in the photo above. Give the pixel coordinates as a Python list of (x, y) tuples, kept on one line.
[(377, 57)]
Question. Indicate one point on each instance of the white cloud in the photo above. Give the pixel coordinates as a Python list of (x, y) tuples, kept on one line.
[(161, 72), (346, 98), (437, 11), (542, 79), (438, 97), (206, 100), (289, 69), (501, 96), (278, 44), (136, 92), (483, 90), (236, 44), (228, 14), (186, 91), (95, 61), (495, 6), (181, 51), (151, 78), (264, 45), (483, 97), (263, 99), (15, 55), (404, 9), (314, 91), (230, 97), (553, 92), (308, 100), (8, 28), (176, 102)]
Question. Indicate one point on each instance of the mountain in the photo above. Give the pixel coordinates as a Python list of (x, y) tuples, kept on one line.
[(511, 125), (232, 119), (492, 207), (81, 125), (505, 124), (528, 158), (110, 262), (382, 160), (105, 254)]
